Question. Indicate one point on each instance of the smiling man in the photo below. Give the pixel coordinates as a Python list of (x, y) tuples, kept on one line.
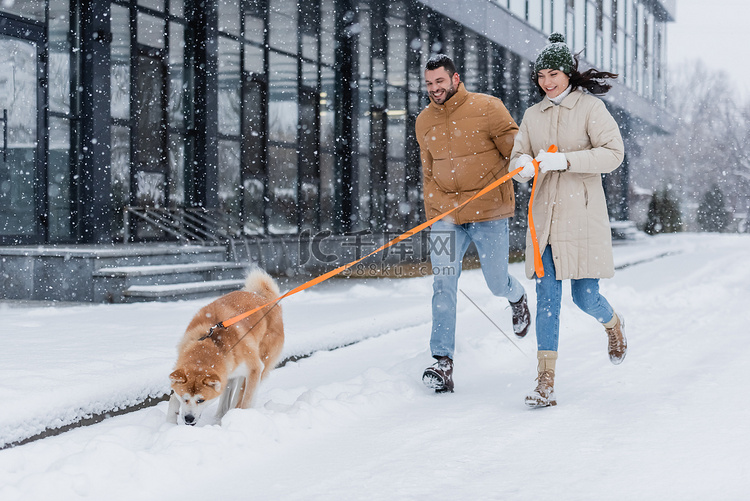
[(465, 140)]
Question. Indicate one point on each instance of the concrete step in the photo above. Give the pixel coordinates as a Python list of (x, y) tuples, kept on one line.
[(111, 283), (174, 292), (66, 272)]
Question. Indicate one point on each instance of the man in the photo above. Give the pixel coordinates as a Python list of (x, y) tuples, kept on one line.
[(465, 140)]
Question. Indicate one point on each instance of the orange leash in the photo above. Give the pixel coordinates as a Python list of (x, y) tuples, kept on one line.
[(403, 236), (538, 266)]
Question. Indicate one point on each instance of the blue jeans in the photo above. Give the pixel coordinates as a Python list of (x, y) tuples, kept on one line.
[(585, 292), (448, 244)]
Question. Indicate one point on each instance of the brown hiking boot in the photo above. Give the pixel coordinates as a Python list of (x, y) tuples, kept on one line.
[(521, 317), (618, 345), (544, 393), (439, 376)]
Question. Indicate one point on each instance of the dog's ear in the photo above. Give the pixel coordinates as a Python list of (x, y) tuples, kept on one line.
[(213, 381), (178, 377)]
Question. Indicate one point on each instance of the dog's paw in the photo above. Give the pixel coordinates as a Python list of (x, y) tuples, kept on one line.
[(174, 409)]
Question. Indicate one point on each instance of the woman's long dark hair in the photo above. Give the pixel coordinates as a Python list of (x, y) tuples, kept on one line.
[(592, 80)]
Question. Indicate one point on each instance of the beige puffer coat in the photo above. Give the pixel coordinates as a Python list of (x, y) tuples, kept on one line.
[(465, 144), (570, 211)]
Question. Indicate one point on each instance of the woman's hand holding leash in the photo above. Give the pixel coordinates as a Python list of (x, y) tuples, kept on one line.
[(551, 161)]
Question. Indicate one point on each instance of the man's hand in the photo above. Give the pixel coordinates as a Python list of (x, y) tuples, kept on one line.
[(551, 161), (527, 163)]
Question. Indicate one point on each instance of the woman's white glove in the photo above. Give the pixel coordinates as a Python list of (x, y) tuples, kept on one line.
[(551, 161), (527, 163)]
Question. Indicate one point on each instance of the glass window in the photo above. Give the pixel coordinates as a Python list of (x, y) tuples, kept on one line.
[(254, 29), (327, 31), (607, 47), (579, 43), (414, 68), (629, 17), (309, 74), (570, 29), (308, 203), (120, 70), (30, 9), (629, 60), (364, 153), (152, 4), (229, 86), (282, 112), (327, 146), (397, 204), (59, 58), (282, 187), (363, 130), (229, 177), (518, 7), (591, 54), (176, 170), (558, 16), (396, 36), (621, 53), (253, 162), (309, 21), (282, 24), (58, 184), (229, 16), (364, 42), (176, 108), (283, 117), (150, 30), (177, 8), (547, 16), (150, 188), (470, 74), (253, 59), (614, 21), (120, 166), (535, 13)]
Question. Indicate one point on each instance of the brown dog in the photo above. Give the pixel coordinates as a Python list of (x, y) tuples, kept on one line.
[(231, 361)]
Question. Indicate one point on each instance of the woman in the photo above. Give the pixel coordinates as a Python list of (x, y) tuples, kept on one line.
[(569, 209)]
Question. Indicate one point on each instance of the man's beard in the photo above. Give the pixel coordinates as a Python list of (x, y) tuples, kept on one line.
[(449, 93)]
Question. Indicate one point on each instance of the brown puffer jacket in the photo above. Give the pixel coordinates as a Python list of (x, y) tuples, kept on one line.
[(465, 144)]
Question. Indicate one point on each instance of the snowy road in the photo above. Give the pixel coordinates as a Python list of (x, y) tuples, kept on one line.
[(356, 423)]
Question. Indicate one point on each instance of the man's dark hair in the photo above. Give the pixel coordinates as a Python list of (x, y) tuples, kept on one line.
[(441, 61)]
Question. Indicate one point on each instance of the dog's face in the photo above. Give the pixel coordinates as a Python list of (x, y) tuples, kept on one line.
[(194, 390)]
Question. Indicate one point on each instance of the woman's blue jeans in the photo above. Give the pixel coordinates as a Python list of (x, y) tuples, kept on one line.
[(585, 292), (448, 244)]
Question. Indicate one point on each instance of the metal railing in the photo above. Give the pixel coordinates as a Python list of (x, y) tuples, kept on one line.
[(198, 225)]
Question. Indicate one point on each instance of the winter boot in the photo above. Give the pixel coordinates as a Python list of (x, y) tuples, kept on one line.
[(439, 376), (544, 394), (618, 345), (521, 317)]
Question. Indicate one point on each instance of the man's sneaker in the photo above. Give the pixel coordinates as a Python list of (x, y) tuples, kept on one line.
[(521, 317), (439, 376), (618, 345)]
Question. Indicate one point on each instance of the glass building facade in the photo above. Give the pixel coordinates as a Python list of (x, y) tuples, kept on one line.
[(286, 117)]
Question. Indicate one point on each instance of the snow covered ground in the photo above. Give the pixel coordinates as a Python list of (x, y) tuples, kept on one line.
[(357, 423)]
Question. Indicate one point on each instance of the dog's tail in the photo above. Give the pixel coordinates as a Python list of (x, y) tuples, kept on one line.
[(262, 283)]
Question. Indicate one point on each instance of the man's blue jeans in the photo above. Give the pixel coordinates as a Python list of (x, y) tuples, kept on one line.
[(585, 292), (448, 244)]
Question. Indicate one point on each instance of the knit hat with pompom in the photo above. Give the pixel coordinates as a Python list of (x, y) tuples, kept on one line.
[(555, 56)]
